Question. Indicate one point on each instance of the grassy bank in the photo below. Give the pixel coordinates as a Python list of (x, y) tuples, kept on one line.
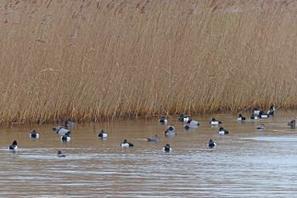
[(97, 59)]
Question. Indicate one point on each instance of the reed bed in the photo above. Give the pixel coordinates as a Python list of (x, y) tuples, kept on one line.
[(106, 59)]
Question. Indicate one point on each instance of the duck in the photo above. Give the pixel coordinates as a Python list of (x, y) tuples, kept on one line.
[(211, 144), (170, 131), (154, 138), (60, 154), (292, 124), (167, 148), (260, 127), (34, 134), (69, 124), (61, 130), (263, 115), (214, 122), (184, 118), (256, 111), (240, 117), (254, 117), (223, 131), (126, 144), (103, 134), (193, 123), (271, 110), (65, 138), (163, 120), (14, 146)]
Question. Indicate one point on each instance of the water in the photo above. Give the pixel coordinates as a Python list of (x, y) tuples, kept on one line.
[(246, 163)]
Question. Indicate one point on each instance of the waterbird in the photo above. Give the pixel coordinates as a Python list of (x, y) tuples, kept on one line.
[(223, 131), (126, 144), (103, 134), (211, 144), (167, 148), (256, 111), (65, 138), (214, 122), (260, 127), (263, 115), (69, 124), (184, 118), (14, 146), (34, 134), (154, 138), (170, 131), (163, 120), (271, 110), (193, 123), (240, 117), (292, 124), (60, 154), (254, 117), (60, 130)]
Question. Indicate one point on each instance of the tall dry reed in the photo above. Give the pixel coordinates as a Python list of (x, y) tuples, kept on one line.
[(97, 59)]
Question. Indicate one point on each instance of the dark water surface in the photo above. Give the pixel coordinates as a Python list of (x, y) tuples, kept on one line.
[(246, 163)]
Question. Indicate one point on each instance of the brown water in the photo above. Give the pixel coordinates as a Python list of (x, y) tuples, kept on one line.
[(246, 163)]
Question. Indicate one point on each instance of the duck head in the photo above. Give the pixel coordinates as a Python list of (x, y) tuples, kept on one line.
[(14, 143)]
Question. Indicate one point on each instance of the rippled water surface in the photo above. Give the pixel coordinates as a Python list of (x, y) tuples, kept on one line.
[(246, 163)]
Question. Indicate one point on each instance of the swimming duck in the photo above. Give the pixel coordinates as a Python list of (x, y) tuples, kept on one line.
[(184, 118), (65, 138), (240, 117), (292, 124), (103, 134), (60, 154), (154, 138), (214, 122), (34, 134), (14, 146), (163, 120), (211, 144), (223, 131), (260, 127), (170, 131), (263, 115), (254, 117), (167, 148), (193, 123), (61, 130), (126, 144), (271, 110), (256, 111), (69, 124)]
